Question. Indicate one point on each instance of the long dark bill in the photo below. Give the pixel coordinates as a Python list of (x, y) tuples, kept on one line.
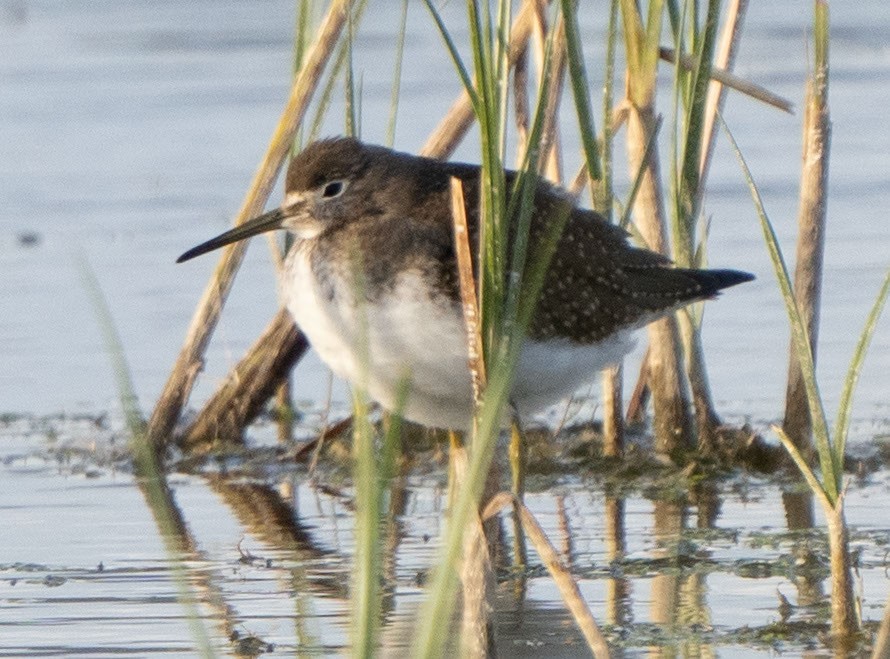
[(261, 224)]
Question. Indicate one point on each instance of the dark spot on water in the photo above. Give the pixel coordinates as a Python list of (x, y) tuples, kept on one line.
[(52, 581), (251, 645), (28, 239)]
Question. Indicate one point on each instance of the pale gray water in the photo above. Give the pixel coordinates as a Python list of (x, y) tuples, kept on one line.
[(130, 131), (83, 571)]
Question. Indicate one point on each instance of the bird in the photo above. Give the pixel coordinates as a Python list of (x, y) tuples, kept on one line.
[(371, 278)]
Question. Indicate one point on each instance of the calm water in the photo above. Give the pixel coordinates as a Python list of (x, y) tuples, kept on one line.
[(130, 131), (84, 572)]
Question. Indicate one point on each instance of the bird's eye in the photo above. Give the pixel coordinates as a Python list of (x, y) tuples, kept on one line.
[(332, 189)]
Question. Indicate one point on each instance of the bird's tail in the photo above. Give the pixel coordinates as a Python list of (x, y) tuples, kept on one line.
[(711, 282)]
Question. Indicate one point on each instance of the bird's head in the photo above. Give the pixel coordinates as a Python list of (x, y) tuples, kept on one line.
[(324, 184)]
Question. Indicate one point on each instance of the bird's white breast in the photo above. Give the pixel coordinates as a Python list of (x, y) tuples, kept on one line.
[(406, 335)]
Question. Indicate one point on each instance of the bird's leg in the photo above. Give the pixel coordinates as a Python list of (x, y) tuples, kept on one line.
[(518, 457)]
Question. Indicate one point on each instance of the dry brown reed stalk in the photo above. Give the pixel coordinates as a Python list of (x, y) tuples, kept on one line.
[(726, 78), (602, 194), (617, 588), (707, 421), (881, 648), (579, 181), (457, 122), (189, 362), (517, 454), (560, 574), (811, 218), (672, 424), (477, 638), (613, 377), (520, 102), (613, 414), (467, 281), (534, 45), (721, 78), (549, 162), (844, 621), (252, 382), (611, 390), (284, 411), (477, 577), (639, 398), (724, 62)]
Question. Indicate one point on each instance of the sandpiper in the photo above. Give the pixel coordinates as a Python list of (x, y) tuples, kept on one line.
[(368, 214)]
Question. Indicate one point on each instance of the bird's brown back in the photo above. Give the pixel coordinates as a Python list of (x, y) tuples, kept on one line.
[(597, 282)]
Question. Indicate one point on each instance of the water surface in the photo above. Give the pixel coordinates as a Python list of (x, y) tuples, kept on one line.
[(130, 131)]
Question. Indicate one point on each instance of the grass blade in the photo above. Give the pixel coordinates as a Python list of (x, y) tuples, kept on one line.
[(397, 77), (831, 467), (624, 222), (604, 200), (365, 592), (732, 81), (371, 470), (580, 89), (352, 88), (465, 78), (809, 476), (842, 423), (146, 463), (115, 348)]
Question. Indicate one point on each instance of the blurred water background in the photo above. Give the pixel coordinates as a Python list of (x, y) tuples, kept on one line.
[(130, 131)]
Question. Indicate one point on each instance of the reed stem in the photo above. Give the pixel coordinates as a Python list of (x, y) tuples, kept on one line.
[(189, 362)]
